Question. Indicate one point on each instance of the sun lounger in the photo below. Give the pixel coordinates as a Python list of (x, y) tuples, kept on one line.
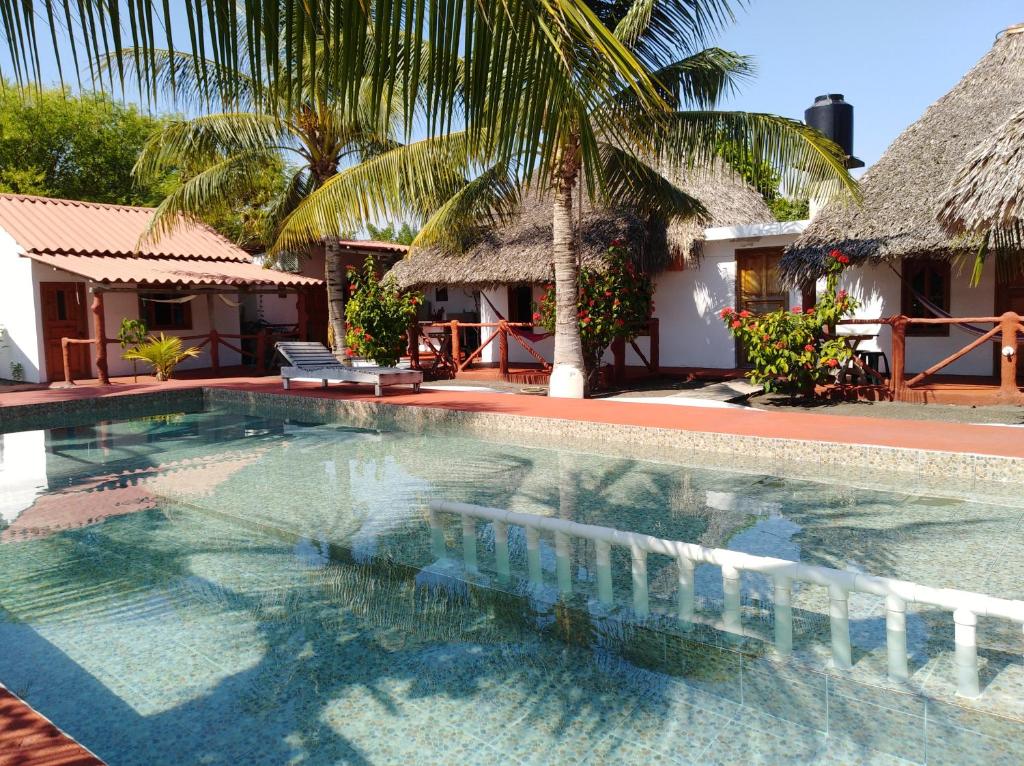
[(314, 360)]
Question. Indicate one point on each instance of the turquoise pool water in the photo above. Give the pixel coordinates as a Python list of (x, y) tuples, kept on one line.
[(224, 587)]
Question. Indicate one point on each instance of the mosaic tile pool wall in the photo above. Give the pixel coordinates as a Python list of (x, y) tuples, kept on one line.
[(248, 585)]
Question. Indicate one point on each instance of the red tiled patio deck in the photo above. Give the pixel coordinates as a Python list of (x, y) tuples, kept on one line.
[(28, 739), (925, 435)]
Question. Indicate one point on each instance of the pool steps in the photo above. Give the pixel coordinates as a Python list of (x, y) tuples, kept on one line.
[(965, 606)]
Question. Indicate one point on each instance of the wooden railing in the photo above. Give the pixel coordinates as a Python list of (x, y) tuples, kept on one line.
[(447, 347), (1008, 328), (211, 341)]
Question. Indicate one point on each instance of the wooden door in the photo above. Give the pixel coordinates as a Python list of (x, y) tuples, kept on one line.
[(64, 316), (316, 314), (758, 287)]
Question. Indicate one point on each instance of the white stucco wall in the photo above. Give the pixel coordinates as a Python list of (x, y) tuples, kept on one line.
[(879, 290), (516, 353), (18, 296)]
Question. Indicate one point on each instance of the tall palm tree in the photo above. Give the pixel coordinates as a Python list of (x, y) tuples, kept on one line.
[(225, 151), (621, 148)]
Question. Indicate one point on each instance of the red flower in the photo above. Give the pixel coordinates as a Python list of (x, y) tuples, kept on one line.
[(808, 347), (351, 289), (349, 352), (843, 259), (836, 254), (736, 324), (607, 293), (798, 310), (620, 322), (744, 313), (841, 294), (536, 316), (833, 362), (780, 345), (809, 311), (725, 312), (367, 337)]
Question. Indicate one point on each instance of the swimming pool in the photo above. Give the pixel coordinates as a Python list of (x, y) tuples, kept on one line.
[(228, 586)]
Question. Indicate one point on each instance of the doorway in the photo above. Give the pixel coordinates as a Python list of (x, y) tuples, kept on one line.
[(759, 289), (62, 305)]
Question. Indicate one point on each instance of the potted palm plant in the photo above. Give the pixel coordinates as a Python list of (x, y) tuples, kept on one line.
[(162, 353)]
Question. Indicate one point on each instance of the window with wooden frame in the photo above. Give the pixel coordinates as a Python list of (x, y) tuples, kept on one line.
[(160, 315), (520, 304), (926, 294)]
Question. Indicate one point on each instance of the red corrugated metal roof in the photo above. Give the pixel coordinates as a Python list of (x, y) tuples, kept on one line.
[(44, 225), (145, 270), (373, 246)]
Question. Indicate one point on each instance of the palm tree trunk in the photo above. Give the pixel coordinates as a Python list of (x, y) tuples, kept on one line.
[(335, 299), (568, 378)]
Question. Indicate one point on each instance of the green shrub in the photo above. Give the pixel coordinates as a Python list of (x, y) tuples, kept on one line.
[(792, 351), (377, 316), (162, 353), (616, 302)]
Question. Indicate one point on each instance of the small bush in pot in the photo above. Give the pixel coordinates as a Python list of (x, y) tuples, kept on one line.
[(162, 353)]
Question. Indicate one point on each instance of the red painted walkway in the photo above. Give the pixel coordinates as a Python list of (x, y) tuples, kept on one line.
[(28, 739), (929, 435)]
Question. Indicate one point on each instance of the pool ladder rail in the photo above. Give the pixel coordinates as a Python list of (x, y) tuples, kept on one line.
[(965, 606)]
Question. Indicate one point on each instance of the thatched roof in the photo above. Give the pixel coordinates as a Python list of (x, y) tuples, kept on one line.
[(897, 216), (520, 251), (988, 192)]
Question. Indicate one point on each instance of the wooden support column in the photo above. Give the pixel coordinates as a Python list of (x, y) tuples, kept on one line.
[(99, 324), (899, 357), (214, 335), (655, 333), (503, 348), (414, 345), (302, 318), (1008, 391), (456, 344), (619, 360)]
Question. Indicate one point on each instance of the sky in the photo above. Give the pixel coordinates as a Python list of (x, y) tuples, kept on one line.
[(890, 58)]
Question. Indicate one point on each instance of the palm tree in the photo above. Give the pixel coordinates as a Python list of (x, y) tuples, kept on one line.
[(620, 147), (218, 155)]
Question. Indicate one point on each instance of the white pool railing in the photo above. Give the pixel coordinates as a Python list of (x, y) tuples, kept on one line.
[(965, 606)]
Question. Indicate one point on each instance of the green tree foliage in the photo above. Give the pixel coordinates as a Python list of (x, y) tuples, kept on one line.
[(56, 144), (792, 351), (614, 302), (403, 235), (789, 209), (377, 316)]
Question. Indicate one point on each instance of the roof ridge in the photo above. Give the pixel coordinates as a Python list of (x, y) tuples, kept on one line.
[(72, 202)]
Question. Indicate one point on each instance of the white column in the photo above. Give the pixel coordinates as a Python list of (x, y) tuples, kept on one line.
[(641, 605), (783, 615), (965, 638), (501, 551), (839, 620), (731, 608), (469, 543), (896, 638), (563, 563), (533, 555), (603, 551), (684, 570), (437, 547)]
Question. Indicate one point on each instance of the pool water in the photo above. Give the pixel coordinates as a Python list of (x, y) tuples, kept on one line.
[(225, 587)]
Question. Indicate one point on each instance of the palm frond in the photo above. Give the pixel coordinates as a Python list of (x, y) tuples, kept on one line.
[(660, 30), (637, 186), (807, 163)]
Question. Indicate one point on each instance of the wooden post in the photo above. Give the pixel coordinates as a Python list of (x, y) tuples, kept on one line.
[(899, 357), (99, 324), (619, 360), (301, 320), (261, 350), (503, 348), (456, 344), (66, 358), (414, 345), (655, 333), (214, 349), (1008, 366)]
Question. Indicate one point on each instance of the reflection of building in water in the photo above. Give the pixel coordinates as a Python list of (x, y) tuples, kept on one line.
[(95, 498), (22, 471)]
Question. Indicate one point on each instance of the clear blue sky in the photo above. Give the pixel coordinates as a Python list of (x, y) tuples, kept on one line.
[(890, 58)]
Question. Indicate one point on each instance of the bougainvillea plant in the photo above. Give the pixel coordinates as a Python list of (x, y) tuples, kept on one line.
[(377, 315), (792, 351), (613, 302)]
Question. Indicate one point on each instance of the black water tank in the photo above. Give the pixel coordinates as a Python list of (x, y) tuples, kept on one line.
[(833, 117)]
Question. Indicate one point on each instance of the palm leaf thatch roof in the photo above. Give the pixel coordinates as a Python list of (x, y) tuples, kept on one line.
[(519, 252), (901, 192), (987, 195)]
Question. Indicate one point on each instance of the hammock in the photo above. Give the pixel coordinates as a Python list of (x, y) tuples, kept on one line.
[(937, 311), (533, 337)]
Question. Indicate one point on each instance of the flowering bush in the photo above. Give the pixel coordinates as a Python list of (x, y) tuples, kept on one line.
[(377, 316), (612, 303), (791, 351)]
